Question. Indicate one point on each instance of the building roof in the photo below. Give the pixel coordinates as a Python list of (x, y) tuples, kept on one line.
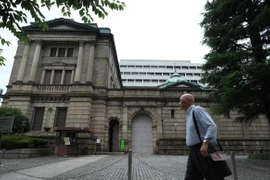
[(67, 25), (177, 81)]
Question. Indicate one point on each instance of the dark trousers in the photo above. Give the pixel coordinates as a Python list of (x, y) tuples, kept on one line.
[(198, 167)]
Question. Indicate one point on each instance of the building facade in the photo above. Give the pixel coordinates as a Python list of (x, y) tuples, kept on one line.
[(145, 72), (68, 78)]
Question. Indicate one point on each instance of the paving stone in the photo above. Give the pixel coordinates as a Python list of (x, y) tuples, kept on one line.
[(108, 167)]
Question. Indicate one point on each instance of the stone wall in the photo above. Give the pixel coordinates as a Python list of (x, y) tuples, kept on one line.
[(26, 153), (174, 146)]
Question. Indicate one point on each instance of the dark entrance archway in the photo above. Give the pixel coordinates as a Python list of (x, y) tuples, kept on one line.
[(114, 136)]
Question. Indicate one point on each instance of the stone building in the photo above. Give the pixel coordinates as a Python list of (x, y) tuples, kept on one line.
[(68, 78)]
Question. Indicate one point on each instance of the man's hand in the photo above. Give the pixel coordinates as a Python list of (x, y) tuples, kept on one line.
[(204, 149)]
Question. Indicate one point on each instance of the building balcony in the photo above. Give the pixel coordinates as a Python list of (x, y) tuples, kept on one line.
[(52, 88)]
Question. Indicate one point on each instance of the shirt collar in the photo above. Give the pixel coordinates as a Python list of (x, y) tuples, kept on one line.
[(190, 109)]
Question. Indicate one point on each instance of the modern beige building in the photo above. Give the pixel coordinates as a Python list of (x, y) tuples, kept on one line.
[(68, 79)]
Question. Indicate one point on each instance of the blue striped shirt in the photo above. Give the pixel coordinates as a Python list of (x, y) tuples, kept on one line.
[(206, 125)]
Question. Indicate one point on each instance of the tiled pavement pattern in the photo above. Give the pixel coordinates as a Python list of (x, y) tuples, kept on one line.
[(105, 167)]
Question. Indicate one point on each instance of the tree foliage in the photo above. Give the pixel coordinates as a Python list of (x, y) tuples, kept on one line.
[(237, 67), (14, 12), (20, 123)]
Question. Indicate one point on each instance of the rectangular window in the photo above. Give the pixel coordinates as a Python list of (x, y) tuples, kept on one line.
[(60, 117), (47, 77), (37, 118), (61, 52), (57, 76), (70, 52), (53, 52), (172, 113), (67, 79)]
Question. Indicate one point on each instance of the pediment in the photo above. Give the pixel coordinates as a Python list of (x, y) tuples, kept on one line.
[(58, 64), (63, 27), (63, 24)]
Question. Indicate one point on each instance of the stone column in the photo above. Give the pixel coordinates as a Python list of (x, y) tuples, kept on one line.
[(79, 63), (23, 63), (34, 67), (125, 133), (159, 122), (91, 62)]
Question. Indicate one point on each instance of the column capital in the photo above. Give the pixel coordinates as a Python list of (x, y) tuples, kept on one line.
[(92, 43), (81, 42), (39, 41)]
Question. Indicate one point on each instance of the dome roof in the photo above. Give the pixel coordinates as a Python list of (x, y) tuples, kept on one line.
[(177, 79)]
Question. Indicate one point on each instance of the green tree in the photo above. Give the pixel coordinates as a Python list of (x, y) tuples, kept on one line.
[(13, 13), (21, 122), (238, 66)]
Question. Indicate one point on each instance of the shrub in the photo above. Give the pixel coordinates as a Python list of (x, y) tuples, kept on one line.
[(260, 156), (15, 141), (20, 120)]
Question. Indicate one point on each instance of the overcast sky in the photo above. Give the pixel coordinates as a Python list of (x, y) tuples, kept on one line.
[(146, 29)]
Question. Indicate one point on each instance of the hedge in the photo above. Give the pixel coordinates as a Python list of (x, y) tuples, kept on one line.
[(17, 141)]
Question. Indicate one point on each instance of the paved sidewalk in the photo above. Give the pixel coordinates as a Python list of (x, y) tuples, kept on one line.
[(107, 167)]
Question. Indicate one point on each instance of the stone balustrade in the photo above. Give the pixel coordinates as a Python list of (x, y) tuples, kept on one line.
[(52, 88)]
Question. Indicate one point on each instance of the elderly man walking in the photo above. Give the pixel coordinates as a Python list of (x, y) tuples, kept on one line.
[(198, 167)]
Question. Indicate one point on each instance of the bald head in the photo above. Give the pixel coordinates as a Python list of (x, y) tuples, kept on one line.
[(185, 101)]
